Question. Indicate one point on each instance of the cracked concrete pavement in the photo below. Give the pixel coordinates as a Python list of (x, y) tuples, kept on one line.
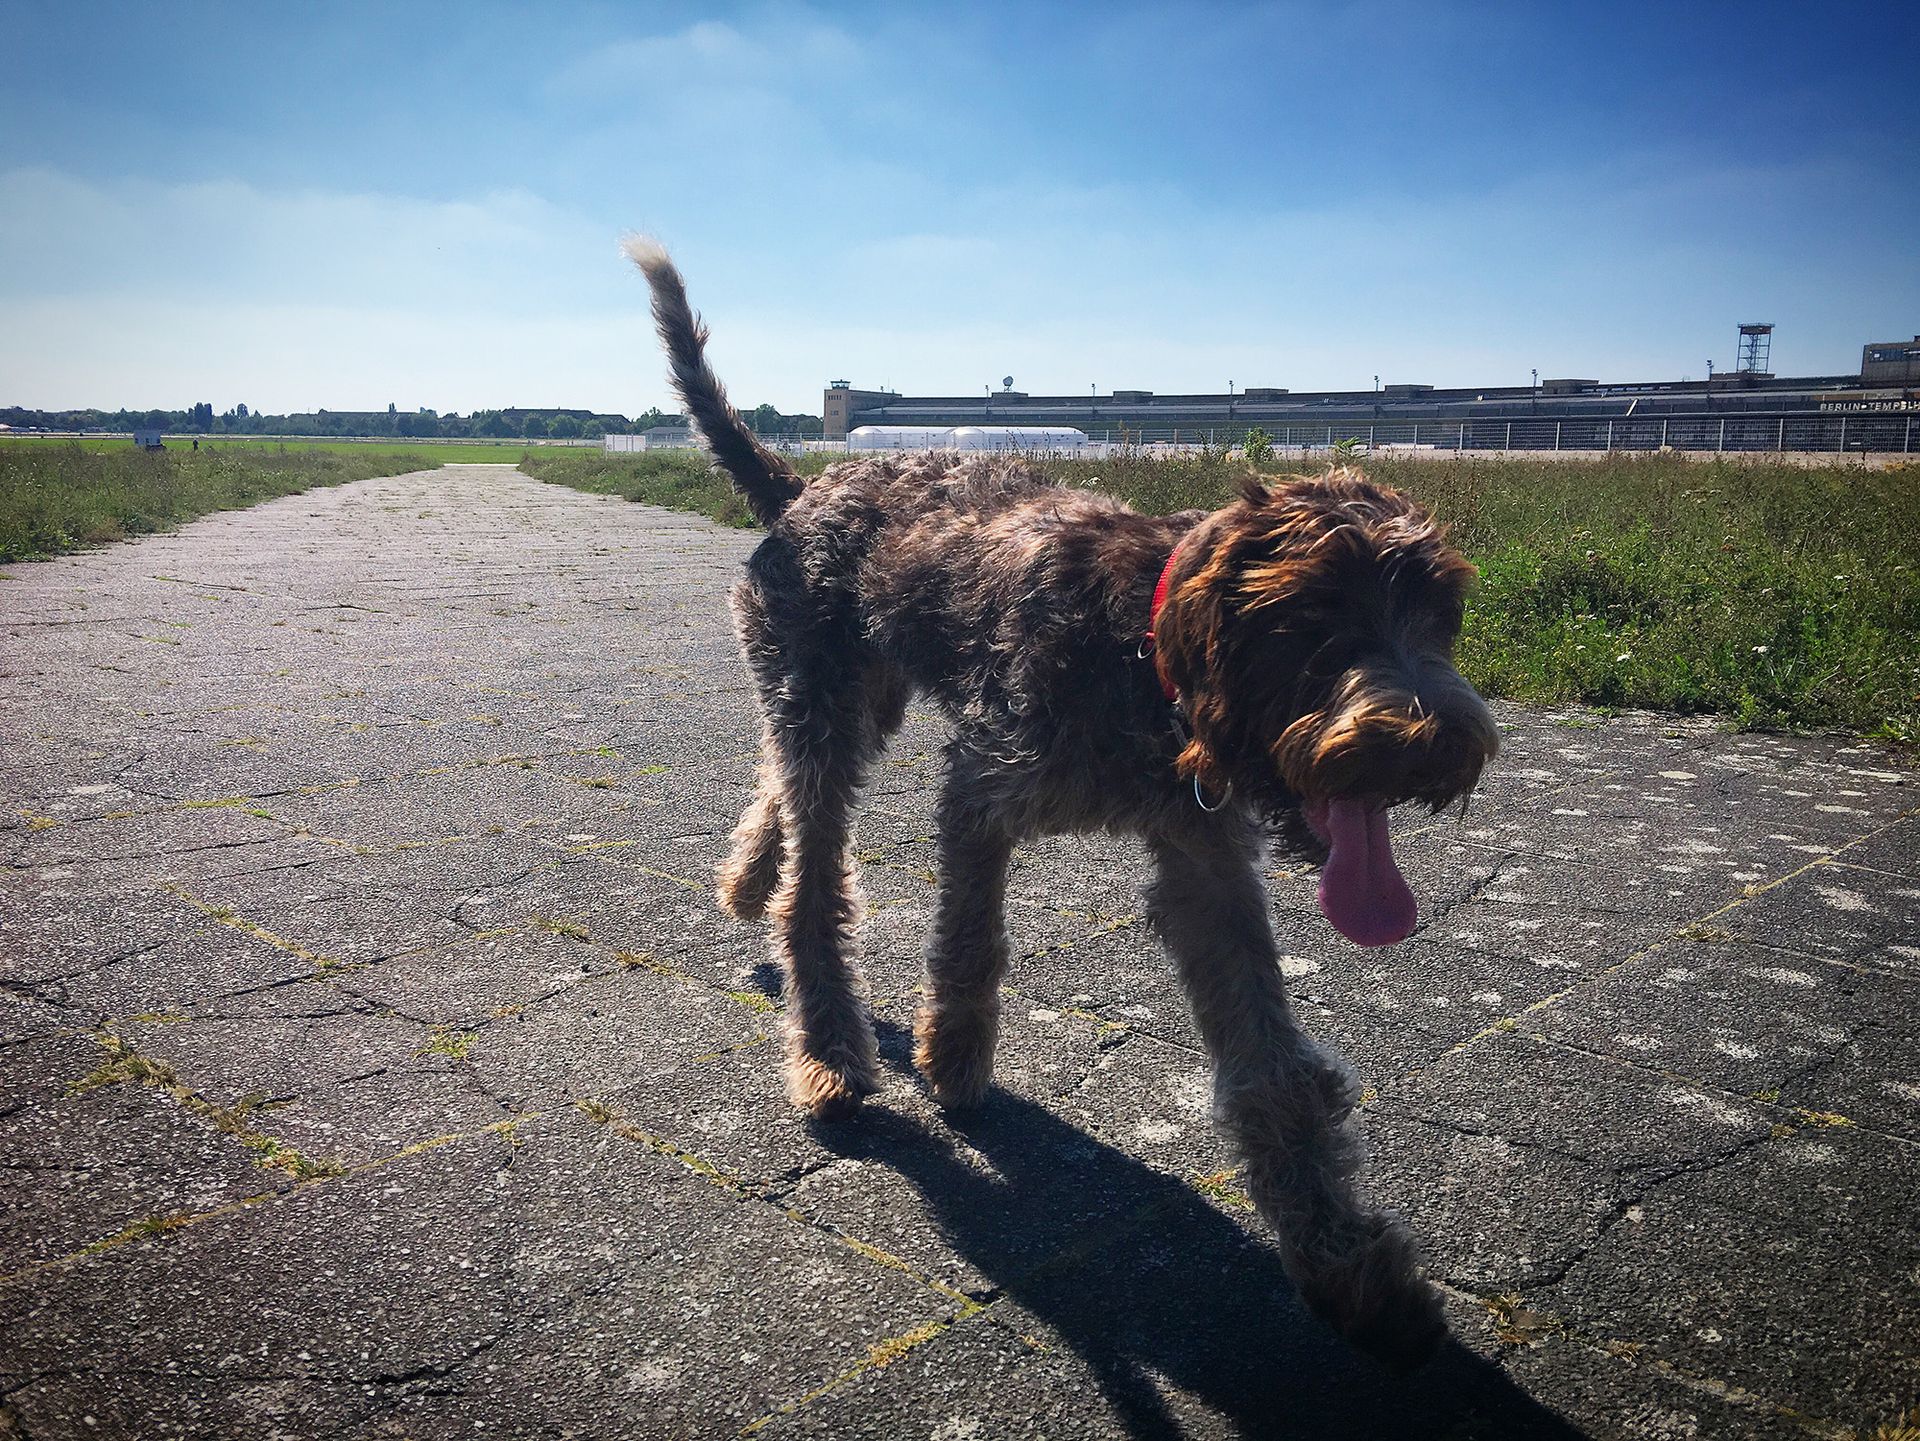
[(375, 1064)]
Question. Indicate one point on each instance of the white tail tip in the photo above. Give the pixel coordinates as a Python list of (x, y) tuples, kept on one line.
[(645, 252)]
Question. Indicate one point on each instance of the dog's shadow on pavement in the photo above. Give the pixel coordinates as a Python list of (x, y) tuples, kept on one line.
[(1142, 1278)]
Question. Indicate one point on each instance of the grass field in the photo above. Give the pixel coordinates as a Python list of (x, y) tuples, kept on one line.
[(441, 452), (61, 497), (678, 479), (1775, 595)]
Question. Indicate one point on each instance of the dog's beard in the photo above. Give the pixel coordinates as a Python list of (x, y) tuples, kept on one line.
[(1280, 811)]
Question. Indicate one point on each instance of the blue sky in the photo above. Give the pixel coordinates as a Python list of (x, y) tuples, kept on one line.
[(346, 206)]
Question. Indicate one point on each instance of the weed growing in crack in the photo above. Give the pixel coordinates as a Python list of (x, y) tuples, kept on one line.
[(1515, 1325), (1821, 1118), (445, 1042), (1701, 932), (276, 1155), (125, 1065), (1219, 1187), (120, 1067), (139, 1230)]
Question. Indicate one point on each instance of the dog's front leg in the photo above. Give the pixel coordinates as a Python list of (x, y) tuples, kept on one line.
[(1285, 1103), (958, 1021)]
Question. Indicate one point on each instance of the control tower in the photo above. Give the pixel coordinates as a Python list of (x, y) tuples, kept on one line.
[(1756, 348)]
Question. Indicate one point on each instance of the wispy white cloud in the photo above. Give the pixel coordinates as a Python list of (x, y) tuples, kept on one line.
[(509, 250), (728, 116), (785, 50)]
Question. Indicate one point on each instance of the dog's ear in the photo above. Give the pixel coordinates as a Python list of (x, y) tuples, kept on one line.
[(1237, 672), (1200, 760), (1191, 643)]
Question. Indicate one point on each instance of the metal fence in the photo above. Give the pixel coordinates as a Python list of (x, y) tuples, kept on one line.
[(1852, 433)]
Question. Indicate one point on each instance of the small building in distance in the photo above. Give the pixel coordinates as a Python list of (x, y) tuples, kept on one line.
[(661, 437), (840, 404), (149, 439), (1891, 362)]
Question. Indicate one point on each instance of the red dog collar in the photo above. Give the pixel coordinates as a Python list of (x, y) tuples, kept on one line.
[(1153, 619)]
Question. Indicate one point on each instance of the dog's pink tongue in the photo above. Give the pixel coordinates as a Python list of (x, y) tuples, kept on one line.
[(1361, 890)]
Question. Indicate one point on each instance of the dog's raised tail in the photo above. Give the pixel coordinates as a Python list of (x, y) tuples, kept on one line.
[(765, 481)]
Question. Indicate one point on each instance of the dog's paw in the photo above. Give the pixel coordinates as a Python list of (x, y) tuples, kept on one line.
[(955, 1054), (743, 889), (1375, 1296), (828, 1092)]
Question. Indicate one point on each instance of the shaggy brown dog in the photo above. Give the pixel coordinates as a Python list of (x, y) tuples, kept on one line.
[(1281, 666)]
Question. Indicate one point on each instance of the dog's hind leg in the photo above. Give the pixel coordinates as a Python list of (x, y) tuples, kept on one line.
[(955, 1028), (747, 877), (749, 874), (828, 707), (832, 1061), (1285, 1104)]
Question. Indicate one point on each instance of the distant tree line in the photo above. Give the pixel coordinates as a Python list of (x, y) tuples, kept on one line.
[(765, 420), (514, 422)]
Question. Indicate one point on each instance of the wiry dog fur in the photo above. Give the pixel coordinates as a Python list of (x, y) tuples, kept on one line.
[(1308, 628)]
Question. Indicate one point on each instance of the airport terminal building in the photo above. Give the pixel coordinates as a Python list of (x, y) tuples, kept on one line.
[(1746, 409)]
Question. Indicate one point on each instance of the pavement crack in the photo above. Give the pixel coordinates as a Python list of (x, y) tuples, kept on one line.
[(1473, 893), (1787, 1112), (1456, 1128), (125, 1065), (46, 992), (184, 927), (778, 1188), (1586, 982), (764, 1193), (1651, 1177), (410, 1381), (154, 1228)]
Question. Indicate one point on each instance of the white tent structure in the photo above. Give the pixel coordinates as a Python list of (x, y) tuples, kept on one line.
[(1048, 439), (898, 437)]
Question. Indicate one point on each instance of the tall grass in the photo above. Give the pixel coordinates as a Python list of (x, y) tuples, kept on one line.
[(677, 479), (1773, 594), (57, 498)]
